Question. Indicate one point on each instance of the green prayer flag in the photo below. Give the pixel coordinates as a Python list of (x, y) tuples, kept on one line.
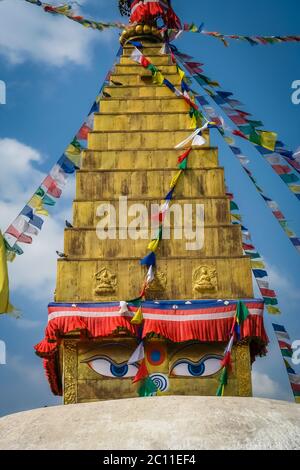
[(135, 302), (246, 129), (253, 255), (219, 391), (76, 144), (40, 192), (48, 201), (286, 352), (233, 206), (255, 123), (224, 376), (152, 68), (183, 164), (290, 178), (200, 80), (270, 301), (254, 137), (147, 388), (14, 249), (242, 312)]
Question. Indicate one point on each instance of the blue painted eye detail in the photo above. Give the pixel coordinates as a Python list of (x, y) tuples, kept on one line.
[(208, 365), (119, 371), (196, 369), (106, 367)]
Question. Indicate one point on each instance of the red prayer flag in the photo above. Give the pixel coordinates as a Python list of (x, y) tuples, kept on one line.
[(248, 247), (295, 387), (52, 187), (82, 134), (267, 293), (284, 345), (279, 215), (24, 239), (226, 362), (239, 133), (184, 155), (281, 169), (145, 62), (238, 119), (243, 113), (142, 373)]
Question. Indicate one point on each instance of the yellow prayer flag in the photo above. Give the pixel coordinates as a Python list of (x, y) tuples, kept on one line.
[(212, 83), (158, 78), (297, 400), (71, 150), (289, 232), (229, 140), (236, 217), (295, 188), (42, 211), (64, 9), (175, 179), (268, 139), (273, 310), (74, 154), (257, 264), (153, 245), (181, 73), (193, 122), (5, 306), (37, 203), (138, 317)]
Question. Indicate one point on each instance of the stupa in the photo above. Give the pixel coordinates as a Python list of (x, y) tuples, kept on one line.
[(188, 308)]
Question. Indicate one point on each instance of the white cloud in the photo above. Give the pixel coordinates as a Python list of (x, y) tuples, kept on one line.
[(282, 282), (264, 386), (32, 273), (27, 32), (17, 160)]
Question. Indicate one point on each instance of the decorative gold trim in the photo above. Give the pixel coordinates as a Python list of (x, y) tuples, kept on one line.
[(140, 31), (70, 371), (243, 370)]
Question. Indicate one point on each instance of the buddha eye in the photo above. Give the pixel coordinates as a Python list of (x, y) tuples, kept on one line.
[(208, 365), (108, 368)]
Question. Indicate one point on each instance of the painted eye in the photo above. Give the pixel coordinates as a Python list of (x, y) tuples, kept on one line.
[(106, 367), (208, 365)]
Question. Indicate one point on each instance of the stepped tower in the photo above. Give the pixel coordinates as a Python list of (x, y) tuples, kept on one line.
[(131, 153)]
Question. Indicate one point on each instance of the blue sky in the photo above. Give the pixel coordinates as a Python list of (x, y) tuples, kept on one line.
[(53, 69)]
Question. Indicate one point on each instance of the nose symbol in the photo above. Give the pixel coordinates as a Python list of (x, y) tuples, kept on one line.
[(161, 381)]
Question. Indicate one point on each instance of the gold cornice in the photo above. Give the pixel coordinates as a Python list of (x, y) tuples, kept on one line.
[(139, 32)]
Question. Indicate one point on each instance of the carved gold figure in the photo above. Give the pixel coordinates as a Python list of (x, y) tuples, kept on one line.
[(106, 282), (204, 279)]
